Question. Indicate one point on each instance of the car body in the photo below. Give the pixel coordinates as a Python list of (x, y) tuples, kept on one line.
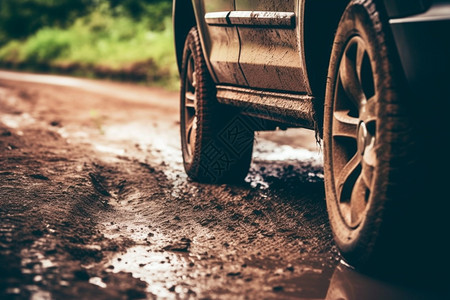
[(281, 62), (301, 65)]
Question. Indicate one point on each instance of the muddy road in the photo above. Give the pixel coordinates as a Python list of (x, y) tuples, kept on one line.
[(94, 204)]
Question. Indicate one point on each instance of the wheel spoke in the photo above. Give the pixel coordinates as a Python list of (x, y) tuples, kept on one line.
[(188, 130), (191, 134), (344, 125), (360, 52), (190, 99), (189, 127), (345, 175), (349, 79), (369, 160), (368, 111), (358, 202), (367, 173), (190, 72)]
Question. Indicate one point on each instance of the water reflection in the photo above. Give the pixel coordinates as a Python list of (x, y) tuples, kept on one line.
[(164, 271), (347, 284)]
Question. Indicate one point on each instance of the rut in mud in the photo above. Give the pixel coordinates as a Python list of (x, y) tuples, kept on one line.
[(95, 203)]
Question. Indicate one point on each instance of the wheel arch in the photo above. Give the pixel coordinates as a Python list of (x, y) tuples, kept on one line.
[(318, 36), (183, 19)]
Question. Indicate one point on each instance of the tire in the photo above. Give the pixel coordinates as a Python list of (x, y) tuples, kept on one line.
[(368, 143), (216, 140)]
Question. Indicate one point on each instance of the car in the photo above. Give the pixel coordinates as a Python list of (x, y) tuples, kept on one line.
[(369, 76)]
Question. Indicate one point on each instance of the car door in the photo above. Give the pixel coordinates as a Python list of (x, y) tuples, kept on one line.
[(270, 36), (220, 41)]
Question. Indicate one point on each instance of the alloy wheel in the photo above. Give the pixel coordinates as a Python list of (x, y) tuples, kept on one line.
[(190, 95), (354, 132)]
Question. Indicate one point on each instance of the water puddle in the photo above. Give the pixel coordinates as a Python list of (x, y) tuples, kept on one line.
[(161, 270), (97, 281), (109, 149), (17, 121), (270, 151)]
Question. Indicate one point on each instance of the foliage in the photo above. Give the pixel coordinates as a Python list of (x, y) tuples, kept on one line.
[(153, 11), (130, 38), (20, 18)]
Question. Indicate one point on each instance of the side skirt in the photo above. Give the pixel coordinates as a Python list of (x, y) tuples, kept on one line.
[(292, 109)]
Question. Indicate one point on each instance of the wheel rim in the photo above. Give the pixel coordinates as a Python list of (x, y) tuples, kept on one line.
[(354, 132), (190, 112)]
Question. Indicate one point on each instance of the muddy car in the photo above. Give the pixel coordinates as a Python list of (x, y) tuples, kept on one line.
[(353, 71)]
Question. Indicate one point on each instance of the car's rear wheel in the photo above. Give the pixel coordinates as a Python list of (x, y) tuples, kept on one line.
[(216, 140), (368, 144)]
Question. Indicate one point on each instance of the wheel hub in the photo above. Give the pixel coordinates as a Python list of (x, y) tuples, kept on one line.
[(362, 138)]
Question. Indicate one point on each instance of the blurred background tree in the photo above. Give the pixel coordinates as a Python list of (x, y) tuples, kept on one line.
[(153, 10), (124, 39), (21, 18)]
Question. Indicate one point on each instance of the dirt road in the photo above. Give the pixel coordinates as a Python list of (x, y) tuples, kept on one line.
[(95, 205)]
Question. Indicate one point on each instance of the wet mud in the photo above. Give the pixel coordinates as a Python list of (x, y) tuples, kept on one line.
[(95, 205)]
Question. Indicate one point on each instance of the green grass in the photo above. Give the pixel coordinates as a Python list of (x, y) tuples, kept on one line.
[(100, 45)]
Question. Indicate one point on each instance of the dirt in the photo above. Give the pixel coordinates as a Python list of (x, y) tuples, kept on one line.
[(94, 203)]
